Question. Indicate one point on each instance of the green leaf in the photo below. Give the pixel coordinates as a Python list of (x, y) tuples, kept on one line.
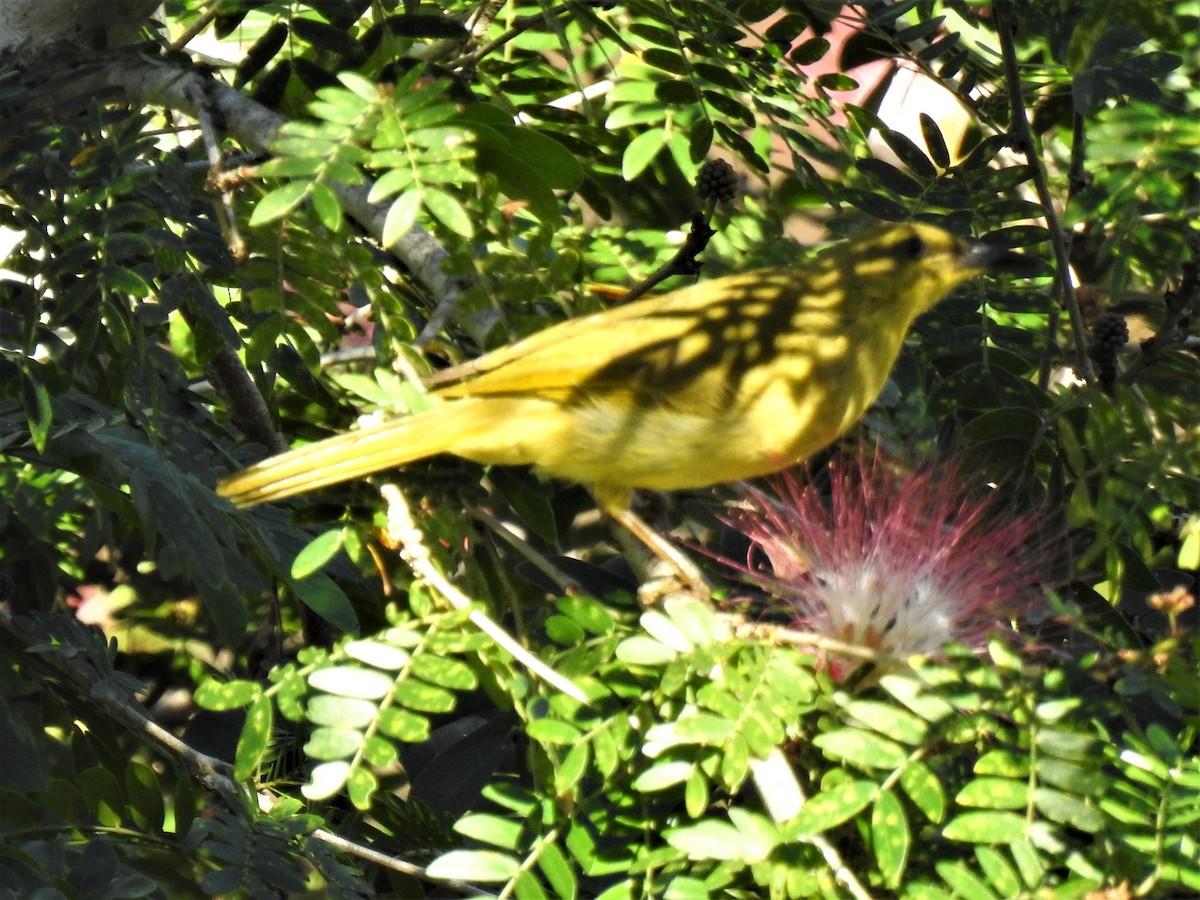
[(380, 752), (474, 865), (695, 621), (1059, 806), (332, 743), (404, 725), (558, 167), (986, 828), (564, 631), (352, 681), (695, 794), (1002, 877), (641, 152), (995, 793), (1003, 763), (909, 153), (449, 211), (966, 884), (423, 697), (520, 181), (714, 839), (552, 731), (327, 206), (886, 719), (589, 613), (317, 552), (665, 631), (916, 696), (641, 650), (444, 671), (38, 411), (145, 795), (488, 828), (663, 775), (702, 728), (935, 143), (326, 779), (102, 793), (321, 594), (889, 177), (1067, 744), (256, 737), (401, 216), (676, 93), (831, 808), (560, 874), (278, 203), (861, 748), (891, 838), (924, 789), (378, 654), (1078, 778), (735, 763), (225, 695), (667, 60), (570, 771), (360, 786)]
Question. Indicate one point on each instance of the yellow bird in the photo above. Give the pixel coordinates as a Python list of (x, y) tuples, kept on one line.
[(726, 379)]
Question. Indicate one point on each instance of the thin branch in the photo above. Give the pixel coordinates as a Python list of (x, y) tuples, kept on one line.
[(684, 262), (222, 197), (255, 126), (266, 804), (1022, 136), (784, 799), (565, 582), (404, 536), (213, 774)]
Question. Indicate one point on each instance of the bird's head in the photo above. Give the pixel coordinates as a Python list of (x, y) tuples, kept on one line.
[(915, 265)]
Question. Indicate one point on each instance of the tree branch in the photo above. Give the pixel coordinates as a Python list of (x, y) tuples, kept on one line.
[(254, 125)]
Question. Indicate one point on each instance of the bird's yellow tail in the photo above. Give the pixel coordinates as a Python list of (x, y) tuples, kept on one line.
[(345, 457)]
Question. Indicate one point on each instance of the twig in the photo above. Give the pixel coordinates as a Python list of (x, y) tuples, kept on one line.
[(222, 197), (228, 377), (784, 798), (256, 126), (202, 22), (214, 775), (543, 565), (780, 634), (266, 804), (684, 262), (404, 535), (1023, 141)]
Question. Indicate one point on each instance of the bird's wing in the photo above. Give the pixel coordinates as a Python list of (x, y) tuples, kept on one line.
[(677, 348)]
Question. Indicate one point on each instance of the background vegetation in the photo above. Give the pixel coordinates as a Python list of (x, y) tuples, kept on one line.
[(450, 177)]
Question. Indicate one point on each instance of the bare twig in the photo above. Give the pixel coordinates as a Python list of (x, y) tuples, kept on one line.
[(784, 798), (256, 126), (684, 262), (404, 535), (222, 198), (543, 565)]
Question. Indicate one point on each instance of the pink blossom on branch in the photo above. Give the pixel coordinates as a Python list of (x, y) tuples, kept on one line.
[(894, 563)]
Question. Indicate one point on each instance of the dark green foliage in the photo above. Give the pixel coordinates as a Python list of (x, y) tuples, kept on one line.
[(542, 158)]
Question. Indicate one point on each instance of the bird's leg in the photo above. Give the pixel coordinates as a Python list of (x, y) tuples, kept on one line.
[(686, 572)]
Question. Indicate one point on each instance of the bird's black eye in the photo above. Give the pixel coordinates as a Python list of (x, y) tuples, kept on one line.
[(910, 249)]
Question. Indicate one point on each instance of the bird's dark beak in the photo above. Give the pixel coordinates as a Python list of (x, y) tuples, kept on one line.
[(991, 258)]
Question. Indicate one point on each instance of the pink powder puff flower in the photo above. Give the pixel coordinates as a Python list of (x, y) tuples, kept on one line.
[(888, 564)]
